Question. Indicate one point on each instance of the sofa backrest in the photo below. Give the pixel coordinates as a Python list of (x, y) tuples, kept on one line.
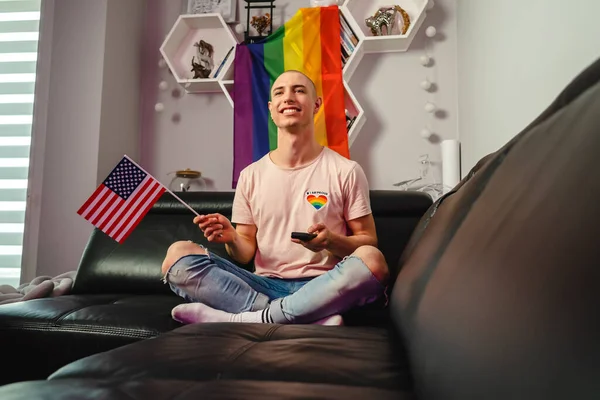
[(134, 266), (499, 287)]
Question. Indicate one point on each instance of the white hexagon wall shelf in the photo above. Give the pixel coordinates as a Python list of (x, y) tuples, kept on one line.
[(227, 86), (348, 28), (178, 49), (355, 112), (357, 11)]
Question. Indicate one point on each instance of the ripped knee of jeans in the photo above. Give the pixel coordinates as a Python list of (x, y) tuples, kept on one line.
[(179, 249), (355, 273), (180, 269)]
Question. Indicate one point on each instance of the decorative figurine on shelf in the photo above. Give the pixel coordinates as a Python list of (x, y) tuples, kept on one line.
[(204, 64), (386, 17), (261, 23)]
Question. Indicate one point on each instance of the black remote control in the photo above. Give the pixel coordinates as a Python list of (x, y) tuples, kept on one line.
[(305, 237)]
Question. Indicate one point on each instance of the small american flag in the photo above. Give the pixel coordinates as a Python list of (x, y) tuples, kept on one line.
[(122, 200)]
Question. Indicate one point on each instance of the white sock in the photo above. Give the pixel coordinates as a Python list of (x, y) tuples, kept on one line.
[(193, 313)]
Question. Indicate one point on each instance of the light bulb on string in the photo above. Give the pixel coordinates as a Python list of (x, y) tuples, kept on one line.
[(430, 31)]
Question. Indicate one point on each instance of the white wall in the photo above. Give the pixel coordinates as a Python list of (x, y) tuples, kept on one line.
[(387, 86), (121, 84), (514, 57), (84, 120)]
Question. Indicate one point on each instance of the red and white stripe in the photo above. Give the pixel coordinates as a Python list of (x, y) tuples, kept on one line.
[(117, 217)]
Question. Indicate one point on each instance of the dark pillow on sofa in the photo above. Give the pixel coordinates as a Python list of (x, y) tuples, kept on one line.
[(498, 290)]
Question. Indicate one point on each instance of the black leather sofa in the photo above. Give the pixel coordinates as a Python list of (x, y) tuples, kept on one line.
[(119, 298), (496, 297)]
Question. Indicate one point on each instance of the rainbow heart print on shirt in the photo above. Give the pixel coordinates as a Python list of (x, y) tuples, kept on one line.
[(317, 202)]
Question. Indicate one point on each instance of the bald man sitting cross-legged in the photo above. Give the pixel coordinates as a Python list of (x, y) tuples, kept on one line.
[(300, 186)]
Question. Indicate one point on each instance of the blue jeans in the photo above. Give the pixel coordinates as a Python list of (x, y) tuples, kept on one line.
[(218, 283)]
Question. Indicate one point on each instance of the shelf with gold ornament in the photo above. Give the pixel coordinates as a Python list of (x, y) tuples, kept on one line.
[(199, 50), (384, 26)]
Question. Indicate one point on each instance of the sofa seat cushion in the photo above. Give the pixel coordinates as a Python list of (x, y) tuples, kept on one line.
[(56, 331), (137, 317), (359, 357)]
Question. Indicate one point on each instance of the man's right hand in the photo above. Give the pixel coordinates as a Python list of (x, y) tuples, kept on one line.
[(216, 228)]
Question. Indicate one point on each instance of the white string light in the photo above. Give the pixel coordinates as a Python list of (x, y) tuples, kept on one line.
[(426, 84), (164, 86), (426, 133)]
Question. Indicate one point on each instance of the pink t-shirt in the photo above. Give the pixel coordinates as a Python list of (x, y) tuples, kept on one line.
[(331, 189)]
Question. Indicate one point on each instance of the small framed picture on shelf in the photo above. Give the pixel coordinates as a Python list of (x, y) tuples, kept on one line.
[(227, 8)]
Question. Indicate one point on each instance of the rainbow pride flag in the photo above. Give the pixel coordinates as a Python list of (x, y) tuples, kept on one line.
[(308, 42)]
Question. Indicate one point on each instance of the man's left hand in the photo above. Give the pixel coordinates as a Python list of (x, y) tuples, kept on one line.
[(319, 243)]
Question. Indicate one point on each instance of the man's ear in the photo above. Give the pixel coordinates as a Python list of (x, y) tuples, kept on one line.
[(318, 104)]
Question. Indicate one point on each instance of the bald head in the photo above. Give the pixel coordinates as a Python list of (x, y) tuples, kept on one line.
[(310, 85)]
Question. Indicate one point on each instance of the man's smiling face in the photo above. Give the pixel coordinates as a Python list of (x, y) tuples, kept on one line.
[(294, 101)]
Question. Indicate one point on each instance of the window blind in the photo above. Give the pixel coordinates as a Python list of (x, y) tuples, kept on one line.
[(19, 31)]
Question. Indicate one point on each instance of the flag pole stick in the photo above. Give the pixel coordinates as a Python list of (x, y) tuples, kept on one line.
[(182, 202), (166, 188)]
